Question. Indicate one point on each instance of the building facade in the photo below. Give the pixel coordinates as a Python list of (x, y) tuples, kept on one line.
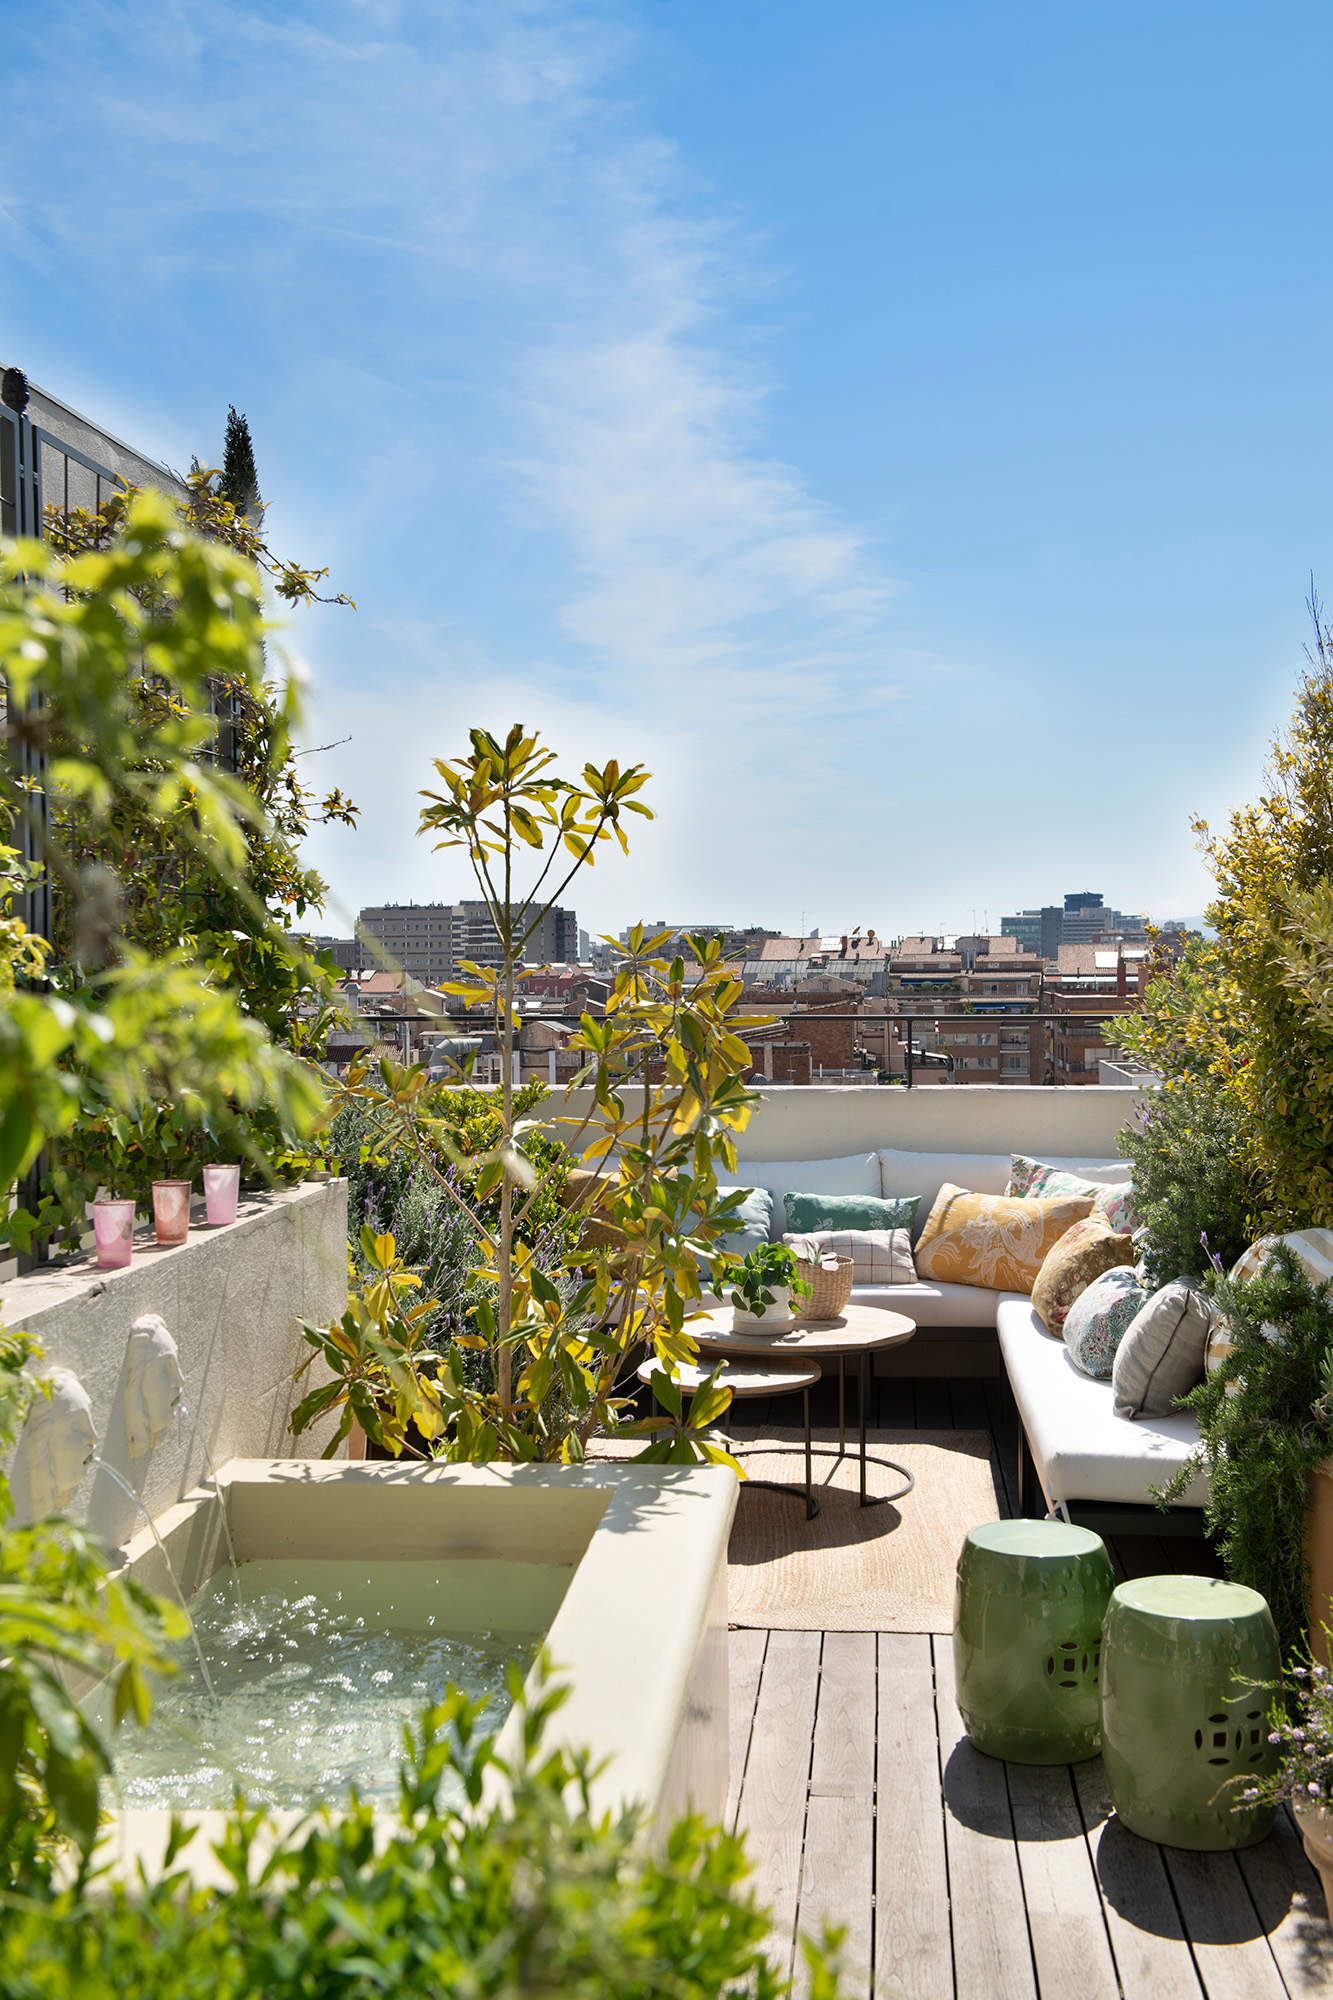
[(431, 940)]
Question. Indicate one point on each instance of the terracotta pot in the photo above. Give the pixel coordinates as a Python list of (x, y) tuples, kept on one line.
[(1319, 1556), (1316, 1825)]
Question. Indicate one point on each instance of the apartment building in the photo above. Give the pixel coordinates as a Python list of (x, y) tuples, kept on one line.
[(430, 940), (1088, 985)]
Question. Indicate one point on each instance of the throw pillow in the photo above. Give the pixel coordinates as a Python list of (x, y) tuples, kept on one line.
[(1081, 1255), (988, 1239), (1100, 1318), (1161, 1356), (1313, 1248), (879, 1256), (754, 1220), (807, 1212), (1114, 1202)]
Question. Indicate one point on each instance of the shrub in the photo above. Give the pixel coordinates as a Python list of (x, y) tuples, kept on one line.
[(540, 1896), (1265, 1422), (1196, 1190)]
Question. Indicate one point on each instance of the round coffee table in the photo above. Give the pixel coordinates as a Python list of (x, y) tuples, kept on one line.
[(857, 1331), (757, 1381)]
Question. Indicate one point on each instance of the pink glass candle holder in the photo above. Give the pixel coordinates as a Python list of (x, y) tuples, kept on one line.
[(171, 1210), (113, 1232), (222, 1185)]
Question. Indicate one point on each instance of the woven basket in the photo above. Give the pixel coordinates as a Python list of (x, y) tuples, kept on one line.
[(829, 1290)]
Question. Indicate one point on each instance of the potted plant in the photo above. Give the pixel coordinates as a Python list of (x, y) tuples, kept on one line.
[(763, 1285), (1302, 1733)]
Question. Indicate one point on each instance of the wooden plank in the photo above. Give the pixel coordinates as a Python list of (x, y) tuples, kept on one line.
[(1290, 1905), (837, 1882), (933, 1409), (1066, 1924), (773, 1793), (745, 1663), (1151, 1951), (913, 1940), (991, 1950), (843, 1759), (1223, 1927)]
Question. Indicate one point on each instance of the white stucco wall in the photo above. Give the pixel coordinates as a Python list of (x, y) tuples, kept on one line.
[(232, 1298), (823, 1121)]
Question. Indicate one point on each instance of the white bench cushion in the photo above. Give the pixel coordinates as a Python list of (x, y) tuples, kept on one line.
[(931, 1303), (1081, 1448)]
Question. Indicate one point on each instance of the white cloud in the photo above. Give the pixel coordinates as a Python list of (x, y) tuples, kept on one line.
[(382, 198)]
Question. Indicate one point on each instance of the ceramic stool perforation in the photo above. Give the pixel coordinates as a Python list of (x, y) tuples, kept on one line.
[(1028, 1613)]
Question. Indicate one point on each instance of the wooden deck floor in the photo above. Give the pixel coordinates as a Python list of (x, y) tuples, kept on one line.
[(958, 1877)]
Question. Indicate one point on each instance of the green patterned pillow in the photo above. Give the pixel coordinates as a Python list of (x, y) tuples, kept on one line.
[(848, 1211), (1033, 1179)]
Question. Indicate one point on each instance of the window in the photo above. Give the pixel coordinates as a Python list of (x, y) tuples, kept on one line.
[(1015, 1065)]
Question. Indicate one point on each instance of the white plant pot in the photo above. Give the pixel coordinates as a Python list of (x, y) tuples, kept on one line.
[(774, 1317)]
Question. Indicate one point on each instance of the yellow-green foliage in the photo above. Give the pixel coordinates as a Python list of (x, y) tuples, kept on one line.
[(1274, 920)]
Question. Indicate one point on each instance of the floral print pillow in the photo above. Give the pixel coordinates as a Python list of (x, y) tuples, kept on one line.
[(1100, 1318), (1115, 1205)]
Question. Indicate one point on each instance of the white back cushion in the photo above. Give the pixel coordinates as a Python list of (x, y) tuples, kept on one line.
[(853, 1173), (925, 1174)]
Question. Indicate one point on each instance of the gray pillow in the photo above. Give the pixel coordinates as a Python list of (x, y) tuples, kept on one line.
[(754, 1220), (1161, 1355)]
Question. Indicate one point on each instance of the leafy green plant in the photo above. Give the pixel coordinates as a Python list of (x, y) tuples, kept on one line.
[(663, 1098), (59, 1613), (1265, 1420), (126, 1027), (756, 1278), (382, 1370), (1196, 1186), (536, 1893)]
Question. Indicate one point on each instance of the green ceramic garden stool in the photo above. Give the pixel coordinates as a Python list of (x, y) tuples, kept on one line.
[(1181, 1715), (1027, 1632)]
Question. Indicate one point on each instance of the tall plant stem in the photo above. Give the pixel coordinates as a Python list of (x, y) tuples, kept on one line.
[(504, 1361)]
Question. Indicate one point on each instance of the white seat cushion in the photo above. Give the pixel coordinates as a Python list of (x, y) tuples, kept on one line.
[(1081, 1448), (931, 1303)]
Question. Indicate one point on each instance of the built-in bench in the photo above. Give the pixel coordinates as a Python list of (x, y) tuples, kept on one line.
[(1078, 1456)]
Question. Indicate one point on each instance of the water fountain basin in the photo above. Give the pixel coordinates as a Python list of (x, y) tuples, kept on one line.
[(639, 1633)]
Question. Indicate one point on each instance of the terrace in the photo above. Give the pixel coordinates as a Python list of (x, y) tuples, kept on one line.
[(956, 1875)]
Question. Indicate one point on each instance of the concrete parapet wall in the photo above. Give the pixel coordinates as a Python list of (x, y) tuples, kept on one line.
[(232, 1298), (824, 1121)]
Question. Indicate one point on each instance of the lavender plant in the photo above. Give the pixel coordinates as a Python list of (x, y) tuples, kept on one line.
[(1302, 1735)]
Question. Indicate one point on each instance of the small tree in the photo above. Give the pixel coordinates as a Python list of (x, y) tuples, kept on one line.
[(240, 478), (664, 1072)]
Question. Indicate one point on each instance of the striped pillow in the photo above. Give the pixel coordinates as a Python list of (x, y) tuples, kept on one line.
[(1313, 1250), (879, 1256)]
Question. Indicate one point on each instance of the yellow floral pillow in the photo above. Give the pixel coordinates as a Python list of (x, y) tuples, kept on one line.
[(995, 1240)]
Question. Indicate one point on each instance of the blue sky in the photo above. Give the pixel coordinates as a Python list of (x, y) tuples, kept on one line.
[(903, 427)]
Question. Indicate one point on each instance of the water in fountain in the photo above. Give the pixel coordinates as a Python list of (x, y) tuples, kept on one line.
[(136, 1502), (212, 1472)]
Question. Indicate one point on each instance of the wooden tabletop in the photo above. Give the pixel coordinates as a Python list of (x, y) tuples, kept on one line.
[(855, 1329), (743, 1381)]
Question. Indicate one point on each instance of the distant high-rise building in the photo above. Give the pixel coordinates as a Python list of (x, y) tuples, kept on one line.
[(1036, 930), (430, 940)]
